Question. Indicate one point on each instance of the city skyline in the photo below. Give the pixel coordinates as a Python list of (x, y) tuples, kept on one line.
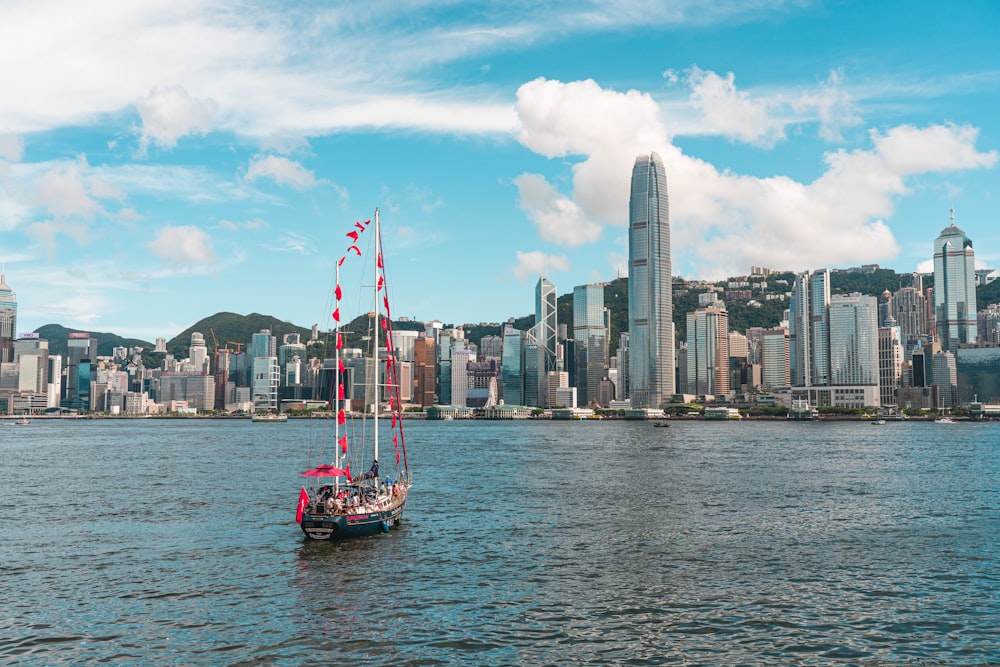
[(159, 162)]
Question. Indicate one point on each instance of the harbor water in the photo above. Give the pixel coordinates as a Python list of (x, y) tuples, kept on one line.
[(173, 542)]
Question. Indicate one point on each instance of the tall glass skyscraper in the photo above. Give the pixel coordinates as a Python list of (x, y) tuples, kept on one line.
[(809, 333), (650, 300), (546, 330), (590, 333), (954, 288)]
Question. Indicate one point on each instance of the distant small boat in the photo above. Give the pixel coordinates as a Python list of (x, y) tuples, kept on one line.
[(878, 422), (660, 424), (944, 420), (22, 422), (269, 418)]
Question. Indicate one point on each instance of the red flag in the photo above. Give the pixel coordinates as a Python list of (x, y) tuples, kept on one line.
[(340, 341), (347, 469), (393, 420), (336, 315), (385, 300), (360, 226), (303, 501), (343, 449), (340, 365), (379, 262), (353, 236), (342, 417), (340, 262), (338, 293), (356, 249), (381, 280), (340, 391)]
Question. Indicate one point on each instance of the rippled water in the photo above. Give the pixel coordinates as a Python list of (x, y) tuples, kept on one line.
[(604, 543)]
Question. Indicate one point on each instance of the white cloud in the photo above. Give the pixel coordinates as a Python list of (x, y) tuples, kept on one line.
[(558, 218), (292, 242), (183, 247), (281, 170), (732, 113), (11, 147), (170, 113), (723, 222), (833, 106), (537, 263), (65, 190)]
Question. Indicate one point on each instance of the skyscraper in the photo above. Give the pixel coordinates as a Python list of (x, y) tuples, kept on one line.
[(650, 300), (546, 329), (954, 287), (590, 334), (809, 330), (708, 351), (8, 320)]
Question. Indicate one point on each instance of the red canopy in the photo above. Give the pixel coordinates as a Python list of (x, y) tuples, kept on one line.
[(325, 470)]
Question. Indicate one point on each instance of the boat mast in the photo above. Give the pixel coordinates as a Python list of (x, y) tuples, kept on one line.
[(378, 257), (335, 389)]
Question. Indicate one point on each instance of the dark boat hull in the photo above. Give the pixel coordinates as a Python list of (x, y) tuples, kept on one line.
[(346, 526)]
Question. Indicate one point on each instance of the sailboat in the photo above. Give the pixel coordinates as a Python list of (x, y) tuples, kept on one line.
[(348, 506)]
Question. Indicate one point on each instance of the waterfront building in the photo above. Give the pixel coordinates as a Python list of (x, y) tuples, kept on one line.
[(81, 350), (946, 378), (808, 339), (909, 309), (512, 366), (424, 371), (978, 373), (483, 389), (555, 381), (708, 351), (404, 342), (623, 390), (460, 360), (31, 354), (8, 319), (650, 297), (266, 374), (590, 333), (775, 371), (853, 336), (890, 362), (546, 334), (954, 288)]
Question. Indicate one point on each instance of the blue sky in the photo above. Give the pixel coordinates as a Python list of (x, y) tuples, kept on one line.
[(165, 160)]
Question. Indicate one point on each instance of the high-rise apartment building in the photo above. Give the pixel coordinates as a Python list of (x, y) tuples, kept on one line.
[(954, 288), (708, 351), (650, 297)]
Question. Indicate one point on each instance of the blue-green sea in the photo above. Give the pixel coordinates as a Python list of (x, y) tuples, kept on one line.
[(173, 542)]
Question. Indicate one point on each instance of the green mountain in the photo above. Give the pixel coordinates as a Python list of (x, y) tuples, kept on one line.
[(57, 336), (230, 330)]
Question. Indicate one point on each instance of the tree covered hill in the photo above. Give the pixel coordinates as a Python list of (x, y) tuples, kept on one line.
[(231, 328)]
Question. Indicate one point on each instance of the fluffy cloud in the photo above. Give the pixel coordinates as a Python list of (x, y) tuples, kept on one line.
[(557, 218), (183, 247), (732, 113), (11, 147), (170, 113), (536, 263), (72, 189), (724, 222), (281, 170)]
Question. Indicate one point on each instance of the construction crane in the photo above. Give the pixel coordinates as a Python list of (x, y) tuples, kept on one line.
[(239, 346), (215, 341)]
